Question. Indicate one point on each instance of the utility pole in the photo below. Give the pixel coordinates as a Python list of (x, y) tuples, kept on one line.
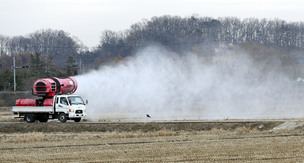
[(14, 67), (14, 64), (80, 67)]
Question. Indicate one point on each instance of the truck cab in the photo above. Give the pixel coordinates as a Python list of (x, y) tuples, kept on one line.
[(69, 107)]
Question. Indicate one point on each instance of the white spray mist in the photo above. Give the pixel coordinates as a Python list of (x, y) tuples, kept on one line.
[(171, 87)]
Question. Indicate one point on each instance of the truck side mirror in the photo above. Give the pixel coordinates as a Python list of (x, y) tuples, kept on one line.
[(87, 101)]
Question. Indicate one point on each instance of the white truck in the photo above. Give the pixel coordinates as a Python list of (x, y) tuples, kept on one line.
[(55, 101), (64, 107)]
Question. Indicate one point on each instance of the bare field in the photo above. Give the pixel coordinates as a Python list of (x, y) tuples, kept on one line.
[(158, 146), (172, 141), (6, 115)]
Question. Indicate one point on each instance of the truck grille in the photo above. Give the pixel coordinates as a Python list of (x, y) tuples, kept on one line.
[(39, 84), (39, 89), (78, 111)]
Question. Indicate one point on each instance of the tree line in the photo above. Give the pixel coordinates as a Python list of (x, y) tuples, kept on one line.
[(56, 52), (174, 32), (178, 33)]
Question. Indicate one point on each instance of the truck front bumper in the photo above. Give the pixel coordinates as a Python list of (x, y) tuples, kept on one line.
[(76, 115)]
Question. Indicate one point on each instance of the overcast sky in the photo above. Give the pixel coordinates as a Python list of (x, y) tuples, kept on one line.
[(86, 19)]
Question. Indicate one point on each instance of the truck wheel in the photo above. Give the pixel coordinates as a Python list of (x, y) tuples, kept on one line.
[(62, 118), (77, 119), (29, 118), (43, 118)]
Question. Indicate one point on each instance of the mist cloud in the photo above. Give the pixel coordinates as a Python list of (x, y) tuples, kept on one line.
[(168, 86)]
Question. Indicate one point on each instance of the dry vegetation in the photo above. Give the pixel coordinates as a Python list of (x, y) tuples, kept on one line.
[(227, 141), (158, 146), (6, 115)]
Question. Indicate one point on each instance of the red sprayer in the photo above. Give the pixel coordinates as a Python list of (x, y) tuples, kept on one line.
[(50, 87), (47, 88), (56, 100)]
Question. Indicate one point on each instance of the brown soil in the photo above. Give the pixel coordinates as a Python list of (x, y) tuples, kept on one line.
[(215, 145), (23, 127), (174, 141)]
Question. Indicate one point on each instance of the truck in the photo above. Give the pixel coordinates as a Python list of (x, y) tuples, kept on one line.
[(55, 101)]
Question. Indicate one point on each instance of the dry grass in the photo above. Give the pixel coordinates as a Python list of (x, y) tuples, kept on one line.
[(6, 117), (140, 134), (49, 137), (159, 146), (243, 130), (5, 109), (29, 137), (150, 142)]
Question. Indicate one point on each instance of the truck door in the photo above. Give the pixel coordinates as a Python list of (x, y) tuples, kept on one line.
[(63, 105)]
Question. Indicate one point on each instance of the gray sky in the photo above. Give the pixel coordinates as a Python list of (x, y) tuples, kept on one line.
[(86, 19)]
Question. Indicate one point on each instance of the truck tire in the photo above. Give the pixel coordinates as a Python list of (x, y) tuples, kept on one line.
[(43, 118), (29, 118), (62, 118), (77, 119)]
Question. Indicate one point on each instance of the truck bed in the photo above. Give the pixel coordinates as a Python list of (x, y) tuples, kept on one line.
[(36, 109)]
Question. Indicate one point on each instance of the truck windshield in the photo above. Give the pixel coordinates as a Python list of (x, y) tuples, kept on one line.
[(75, 100)]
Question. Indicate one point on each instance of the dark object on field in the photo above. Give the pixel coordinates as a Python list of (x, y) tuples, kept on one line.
[(148, 116)]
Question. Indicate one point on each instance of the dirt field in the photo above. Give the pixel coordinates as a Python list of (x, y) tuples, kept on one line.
[(200, 141), (158, 146)]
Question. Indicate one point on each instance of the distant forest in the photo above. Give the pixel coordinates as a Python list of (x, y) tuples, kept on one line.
[(51, 52)]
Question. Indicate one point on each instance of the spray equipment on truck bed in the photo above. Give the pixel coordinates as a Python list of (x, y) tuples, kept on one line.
[(50, 87), (47, 88), (54, 101)]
